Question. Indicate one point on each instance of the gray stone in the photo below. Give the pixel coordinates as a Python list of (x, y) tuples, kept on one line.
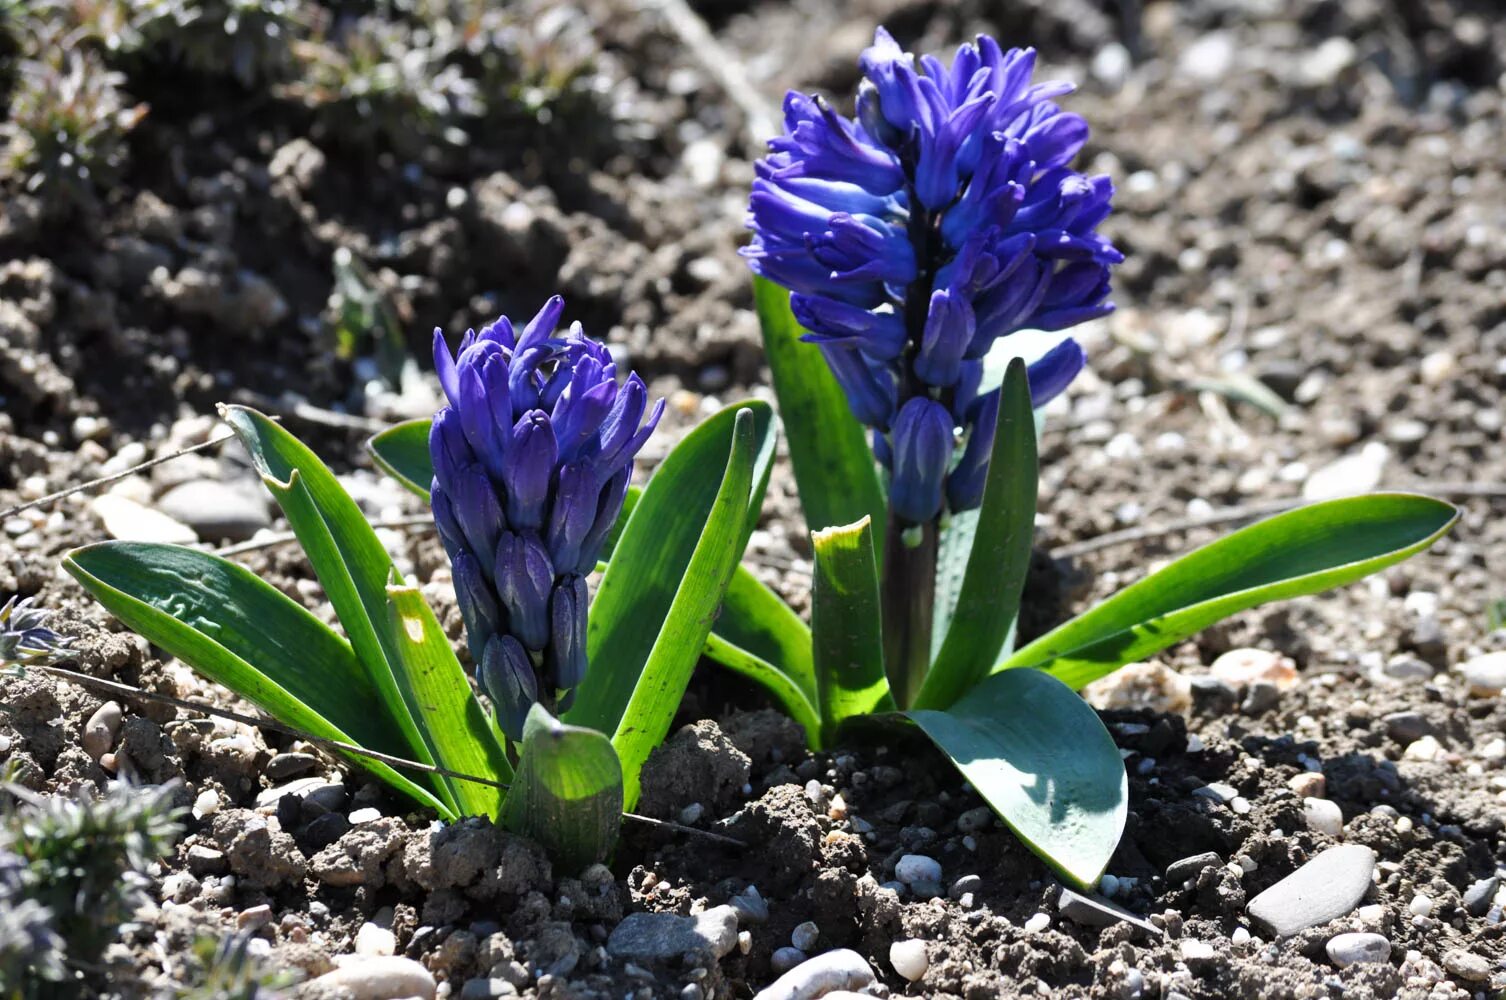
[(1260, 697), (1467, 966), (664, 937), (1477, 897), (1190, 868), (750, 905), (289, 765), (1345, 950), (913, 868), (1095, 911), (1326, 888), (1406, 727), (217, 511)]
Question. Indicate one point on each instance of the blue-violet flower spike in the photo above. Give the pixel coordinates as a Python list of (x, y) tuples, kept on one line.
[(943, 216), (532, 458)]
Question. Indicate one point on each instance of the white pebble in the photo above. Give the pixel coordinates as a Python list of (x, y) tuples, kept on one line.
[(1240, 805), (914, 868), (1195, 744), (381, 977), (1037, 923), (207, 804), (1194, 950), (1241, 935), (1323, 816), (909, 958), (374, 940), (1421, 905), (369, 814)]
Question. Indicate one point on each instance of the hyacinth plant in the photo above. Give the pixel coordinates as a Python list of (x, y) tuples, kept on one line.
[(529, 472)]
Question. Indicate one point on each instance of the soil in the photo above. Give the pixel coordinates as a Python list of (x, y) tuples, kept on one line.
[(1311, 195)]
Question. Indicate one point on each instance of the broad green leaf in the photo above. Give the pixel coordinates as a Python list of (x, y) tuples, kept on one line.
[(654, 686), (402, 451), (1299, 552), (847, 627), (354, 569), (1039, 755), (989, 601), (239, 631), (775, 681), (833, 464), (567, 793), (954, 544), (444, 705), (757, 621)]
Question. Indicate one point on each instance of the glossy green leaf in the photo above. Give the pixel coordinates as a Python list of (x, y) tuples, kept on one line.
[(834, 467), (1299, 552), (773, 679), (402, 451), (661, 591), (567, 793), (241, 632), (444, 704), (954, 545), (989, 600), (755, 619), (846, 624), (646, 719), (1039, 755)]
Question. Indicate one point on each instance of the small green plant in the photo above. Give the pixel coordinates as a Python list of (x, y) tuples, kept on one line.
[(72, 869), (249, 40), (535, 498), (24, 635), (225, 969), (359, 316)]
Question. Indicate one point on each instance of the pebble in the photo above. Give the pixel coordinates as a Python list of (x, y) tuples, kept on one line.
[(1485, 674), (1467, 966), (1345, 950), (1190, 868), (1421, 905), (1194, 950), (1261, 697), (369, 814), (1088, 911), (804, 936), (1323, 816), (1239, 668), (207, 804), (750, 906), (842, 969), (203, 860), (964, 885), (1358, 472), (1037, 923), (1406, 727), (101, 729), (381, 977), (1141, 685), (217, 511), (1218, 791), (487, 989), (253, 917), (661, 937), (913, 868), (975, 820), (374, 940), (909, 958), (1326, 888), (286, 766), (1478, 896), (1426, 748), (129, 521), (786, 958), (1309, 784)]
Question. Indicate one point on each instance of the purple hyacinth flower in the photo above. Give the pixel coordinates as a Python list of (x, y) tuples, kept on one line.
[(922, 451), (532, 458), (941, 217)]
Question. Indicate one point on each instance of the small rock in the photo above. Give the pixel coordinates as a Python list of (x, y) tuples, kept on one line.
[(1194, 950), (1323, 816), (1406, 727), (786, 958), (130, 521), (1190, 868), (204, 860), (370, 814), (289, 765), (384, 977), (1485, 674), (101, 729), (909, 958), (215, 510), (1141, 685), (1426, 748), (1478, 896), (374, 940), (1090, 911), (975, 820), (1359, 472), (252, 918), (1309, 784), (1209, 58), (1467, 966), (1345, 950), (662, 937), (804, 936), (1405, 667), (913, 868), (1239, 668), (1037, 923), (1421, 905), (842, 969), (1326, 888), (750, 906), (1261, 697)]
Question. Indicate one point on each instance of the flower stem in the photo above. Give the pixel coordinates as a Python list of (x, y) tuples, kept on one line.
[(908, 595)]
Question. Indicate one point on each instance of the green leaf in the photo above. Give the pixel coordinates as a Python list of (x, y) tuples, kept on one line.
[(402, 451), (778, 683), (954, 545), (660, 592), (567, 794), (1299, 552), (834, 467), (755, 619), (989, 601), (444, 704), (1040, 756), (239, 631), (846, 625)]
